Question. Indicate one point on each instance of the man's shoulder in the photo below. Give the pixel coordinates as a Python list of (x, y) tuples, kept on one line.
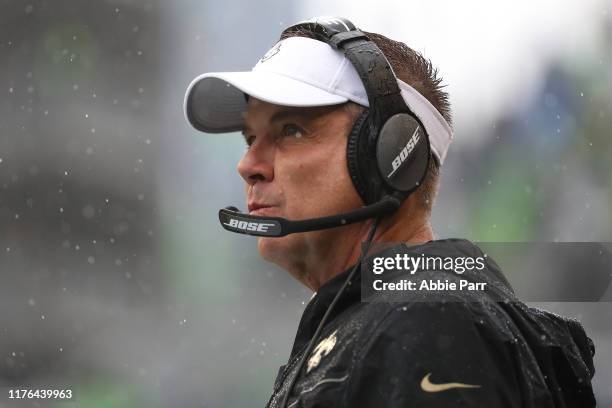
[(425, 343), (430, 316)]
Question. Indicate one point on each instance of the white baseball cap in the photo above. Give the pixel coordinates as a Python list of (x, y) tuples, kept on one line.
[(302, 72)]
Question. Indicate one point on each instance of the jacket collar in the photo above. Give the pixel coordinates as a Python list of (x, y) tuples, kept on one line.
[(319, 303)]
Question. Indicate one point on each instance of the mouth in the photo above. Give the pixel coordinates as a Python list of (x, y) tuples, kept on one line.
[(262, 209)]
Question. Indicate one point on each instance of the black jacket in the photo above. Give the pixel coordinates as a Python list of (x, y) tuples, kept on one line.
[(467, 349)]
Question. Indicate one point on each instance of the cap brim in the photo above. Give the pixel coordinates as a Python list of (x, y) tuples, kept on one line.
[(215, 102)]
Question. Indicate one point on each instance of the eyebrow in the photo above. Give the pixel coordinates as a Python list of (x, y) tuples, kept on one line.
[(287, 112)]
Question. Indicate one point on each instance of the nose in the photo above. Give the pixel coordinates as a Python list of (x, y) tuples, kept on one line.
[(257, 164)]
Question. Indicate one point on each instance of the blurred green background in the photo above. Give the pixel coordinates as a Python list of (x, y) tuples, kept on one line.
[(117, 281)]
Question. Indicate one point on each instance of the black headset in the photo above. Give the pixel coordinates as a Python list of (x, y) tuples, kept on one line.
[(388, 149)]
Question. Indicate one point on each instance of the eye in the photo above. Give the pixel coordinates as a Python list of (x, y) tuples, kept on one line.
[(249, 140), (291, 130)]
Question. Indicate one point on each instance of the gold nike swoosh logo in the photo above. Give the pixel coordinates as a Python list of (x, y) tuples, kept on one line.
[(428, 386)]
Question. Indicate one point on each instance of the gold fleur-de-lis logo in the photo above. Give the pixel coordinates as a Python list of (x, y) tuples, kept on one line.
[(322, 349), (271, 52)]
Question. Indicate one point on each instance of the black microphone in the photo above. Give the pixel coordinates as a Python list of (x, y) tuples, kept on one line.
[(233, 220)]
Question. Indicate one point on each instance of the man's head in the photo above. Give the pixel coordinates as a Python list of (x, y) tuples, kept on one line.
[(303, 100)]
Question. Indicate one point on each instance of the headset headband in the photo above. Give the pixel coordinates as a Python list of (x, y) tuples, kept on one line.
[(369, 61)]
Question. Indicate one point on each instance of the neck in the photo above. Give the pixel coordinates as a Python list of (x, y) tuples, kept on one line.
[(338, 250)]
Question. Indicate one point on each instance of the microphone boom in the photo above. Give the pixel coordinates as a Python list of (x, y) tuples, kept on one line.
[(233, 220)]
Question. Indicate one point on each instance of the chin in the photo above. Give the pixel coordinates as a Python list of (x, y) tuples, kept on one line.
[(278, 250)]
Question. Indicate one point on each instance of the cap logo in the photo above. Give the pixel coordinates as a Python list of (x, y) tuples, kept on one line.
[(271, 52)]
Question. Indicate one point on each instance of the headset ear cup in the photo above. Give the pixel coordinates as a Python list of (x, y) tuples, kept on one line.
[(394, 161), (402, 153), (353, 155)]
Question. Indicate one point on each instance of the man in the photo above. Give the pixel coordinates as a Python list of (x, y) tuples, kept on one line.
[(353, 127)]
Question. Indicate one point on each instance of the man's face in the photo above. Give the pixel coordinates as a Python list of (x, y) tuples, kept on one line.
[(295, 167)]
